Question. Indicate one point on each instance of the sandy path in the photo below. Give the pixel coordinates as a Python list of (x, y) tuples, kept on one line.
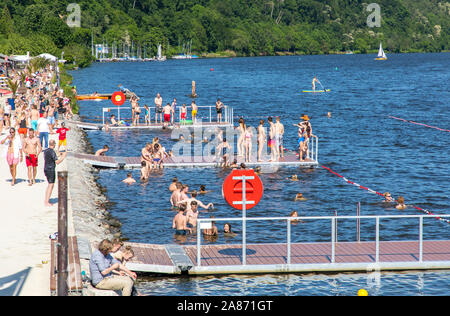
[(25, 225)]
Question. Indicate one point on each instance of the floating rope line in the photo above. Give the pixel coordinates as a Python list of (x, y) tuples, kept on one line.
[(408, 121), (381, 194)]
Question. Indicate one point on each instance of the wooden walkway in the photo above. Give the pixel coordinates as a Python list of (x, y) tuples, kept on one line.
[(305, 257), (289, 159)]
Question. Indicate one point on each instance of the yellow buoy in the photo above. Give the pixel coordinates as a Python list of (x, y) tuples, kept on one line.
[(362, 292)]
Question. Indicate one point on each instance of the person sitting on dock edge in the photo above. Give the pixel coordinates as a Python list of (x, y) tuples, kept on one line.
[(102, 265)]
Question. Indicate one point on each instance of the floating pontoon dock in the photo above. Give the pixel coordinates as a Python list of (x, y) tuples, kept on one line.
[(333, 256), (206, 118), (289, 159)]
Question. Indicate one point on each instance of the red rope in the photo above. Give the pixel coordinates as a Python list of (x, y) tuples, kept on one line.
[(381, 194), (408, 121)]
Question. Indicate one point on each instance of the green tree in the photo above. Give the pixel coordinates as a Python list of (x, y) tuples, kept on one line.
[(6, 23)]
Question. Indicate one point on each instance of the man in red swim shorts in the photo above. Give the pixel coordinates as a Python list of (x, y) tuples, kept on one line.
[(32, 149), (167, 111)]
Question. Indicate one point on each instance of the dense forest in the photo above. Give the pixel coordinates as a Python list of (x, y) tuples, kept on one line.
[(228, 27)]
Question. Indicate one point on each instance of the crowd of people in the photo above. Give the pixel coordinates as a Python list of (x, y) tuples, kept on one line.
[(187, 207), (28, 118), (164, 114), (274, 140)]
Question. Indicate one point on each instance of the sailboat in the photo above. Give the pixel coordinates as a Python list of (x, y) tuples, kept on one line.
[(381, 54), (159, 57)]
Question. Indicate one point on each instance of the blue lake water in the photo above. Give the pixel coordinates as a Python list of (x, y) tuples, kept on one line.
[(359, 141)]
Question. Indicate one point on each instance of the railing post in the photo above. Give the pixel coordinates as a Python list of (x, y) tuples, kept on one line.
[(63, 246), (317, 149), (210, 115), (377, 236), (421, 239), (333, 250), (358, 222), (289, 241), (198, 245)]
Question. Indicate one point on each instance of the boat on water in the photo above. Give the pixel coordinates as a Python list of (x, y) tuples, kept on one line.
[(159, 57), (184, 56), (381, 54)]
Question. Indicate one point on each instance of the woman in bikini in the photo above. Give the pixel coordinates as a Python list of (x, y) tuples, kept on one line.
[(158, 156), (147, 115)]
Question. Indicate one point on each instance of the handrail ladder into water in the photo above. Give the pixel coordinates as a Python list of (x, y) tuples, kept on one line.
[(333, 219)]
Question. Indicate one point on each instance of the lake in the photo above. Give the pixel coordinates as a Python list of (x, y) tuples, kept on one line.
[(360, 141)]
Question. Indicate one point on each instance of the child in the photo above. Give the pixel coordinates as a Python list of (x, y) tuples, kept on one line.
[(194, 112), (183, 114), (62, 136)]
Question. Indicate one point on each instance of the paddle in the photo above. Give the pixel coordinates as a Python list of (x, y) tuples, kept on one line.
[(324, 90)]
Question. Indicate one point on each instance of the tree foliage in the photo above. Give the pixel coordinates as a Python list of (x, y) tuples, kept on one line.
[(247, 27)]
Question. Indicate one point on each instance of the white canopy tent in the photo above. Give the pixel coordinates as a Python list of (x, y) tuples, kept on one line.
[(48, 56)]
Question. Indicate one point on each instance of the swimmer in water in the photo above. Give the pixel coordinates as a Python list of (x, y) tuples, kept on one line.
[(388, 197), (293, 178), (173, 185), (401, 203), (299, 197), (129, 179), (203, 190), (227, 230), (295, 221)]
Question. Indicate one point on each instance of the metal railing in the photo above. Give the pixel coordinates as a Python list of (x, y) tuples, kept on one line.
[(227, 113), (313, 148), (333, 220)]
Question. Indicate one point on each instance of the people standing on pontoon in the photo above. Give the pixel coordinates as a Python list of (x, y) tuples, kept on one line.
[(137, 113), (183, 114), (194, 112), (167, 111), (147, 115), (279, 132), (240, 143), (248, 137), (133, 109), (173, 108), (158, 105), (272, 141), (219, 108)]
